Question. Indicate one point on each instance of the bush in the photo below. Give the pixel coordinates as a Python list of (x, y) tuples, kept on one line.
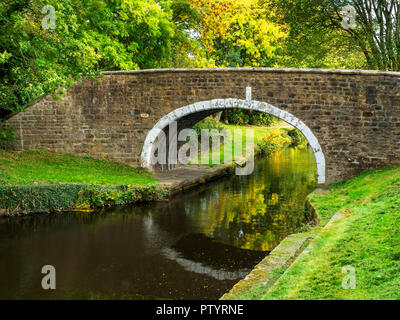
[(7, 136), (298, 140), (238, 117), (275, 140), (40, 198), (58, 197), (107, 196), (261, 119), (243, 117), (207, 124)]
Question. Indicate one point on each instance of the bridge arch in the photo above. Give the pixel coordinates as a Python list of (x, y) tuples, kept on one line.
[(191, 114)]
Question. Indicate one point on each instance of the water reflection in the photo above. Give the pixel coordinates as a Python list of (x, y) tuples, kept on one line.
[(194, 247), (255, 212)]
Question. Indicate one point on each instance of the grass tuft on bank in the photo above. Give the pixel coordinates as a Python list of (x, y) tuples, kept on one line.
[(366, 238), (28, 167)]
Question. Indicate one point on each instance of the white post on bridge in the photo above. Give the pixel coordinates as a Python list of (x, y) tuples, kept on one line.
[(248, 94)]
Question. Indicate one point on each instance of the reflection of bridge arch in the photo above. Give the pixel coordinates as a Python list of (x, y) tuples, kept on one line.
[(189, 115), (162, 241), (200, 268)]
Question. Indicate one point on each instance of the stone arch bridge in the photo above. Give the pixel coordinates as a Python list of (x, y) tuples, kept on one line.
[(351, 118)]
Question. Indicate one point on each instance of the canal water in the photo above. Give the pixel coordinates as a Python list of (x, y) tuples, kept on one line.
[(196, 246)]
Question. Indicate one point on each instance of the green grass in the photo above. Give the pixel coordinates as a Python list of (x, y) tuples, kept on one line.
[(367, 238), (237, 148), (27, 167)]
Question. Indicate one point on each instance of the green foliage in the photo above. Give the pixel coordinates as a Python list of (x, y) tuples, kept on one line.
[(90, 36), (208, 123), (261, 119), (26, 199), (106, 196), (57, 197), (7, 135), (318, 38), (36, 61), (313, 42), (237, 117), (297, 139), (275, 140), (243, 117)]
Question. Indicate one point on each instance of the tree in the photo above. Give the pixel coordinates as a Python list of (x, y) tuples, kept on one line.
[(89, 36), (186, 50), (320, 29), (377, 32), (238, 32)]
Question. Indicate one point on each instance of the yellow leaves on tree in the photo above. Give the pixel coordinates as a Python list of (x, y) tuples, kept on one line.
[(243, 27)]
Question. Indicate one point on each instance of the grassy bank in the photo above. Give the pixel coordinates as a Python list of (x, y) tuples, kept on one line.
[(367, 238), (40, 181), (27, 167)]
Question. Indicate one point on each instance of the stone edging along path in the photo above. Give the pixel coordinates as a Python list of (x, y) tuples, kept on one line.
[(187, 177), (266, 274), (269, 270)]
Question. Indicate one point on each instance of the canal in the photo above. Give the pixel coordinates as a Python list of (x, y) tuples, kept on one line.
[(197, 246)]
